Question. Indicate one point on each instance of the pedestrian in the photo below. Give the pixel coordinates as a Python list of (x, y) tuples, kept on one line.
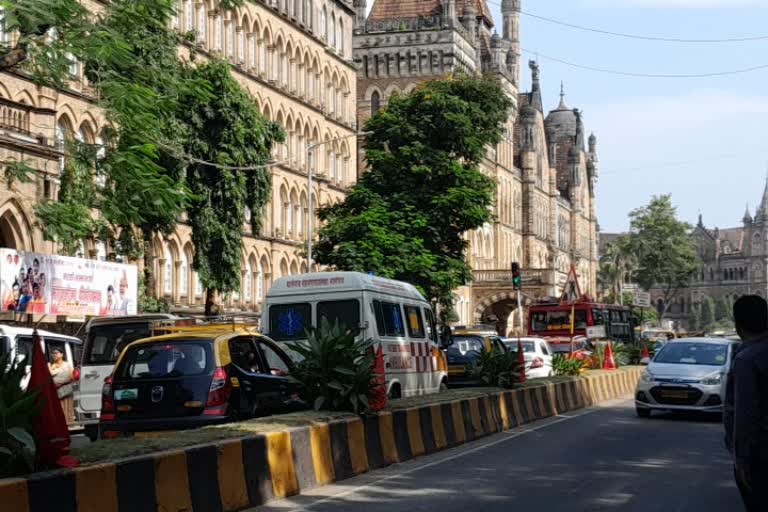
[(61, 371), (748, 415)]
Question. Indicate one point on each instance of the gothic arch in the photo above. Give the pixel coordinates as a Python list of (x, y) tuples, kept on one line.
[(15, 228)]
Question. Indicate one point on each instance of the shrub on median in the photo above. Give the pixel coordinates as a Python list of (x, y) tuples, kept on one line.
[(564, 366), (497, 368), (336, 369)]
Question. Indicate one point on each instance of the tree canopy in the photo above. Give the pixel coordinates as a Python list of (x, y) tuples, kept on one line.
[(665, 255), (225, 129), (407, 216)]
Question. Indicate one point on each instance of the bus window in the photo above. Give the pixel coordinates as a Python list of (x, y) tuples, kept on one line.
[(389, 319), (346, 312), (415, 323), (289, 321), (597, 317), (539, 321)]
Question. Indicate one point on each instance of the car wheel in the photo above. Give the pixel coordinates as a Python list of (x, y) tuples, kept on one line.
[(643, 412), (92, 433), (395, 393), (443, 386), (551, 373)]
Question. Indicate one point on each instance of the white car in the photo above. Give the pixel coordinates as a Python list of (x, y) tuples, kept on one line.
[(686, 374), (538, 356)]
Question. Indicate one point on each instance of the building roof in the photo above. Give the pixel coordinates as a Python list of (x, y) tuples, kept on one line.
[(734, 236), (562, 122), (393, 9)]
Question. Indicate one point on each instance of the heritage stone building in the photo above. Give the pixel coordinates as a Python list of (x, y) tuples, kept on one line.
[(293, 56), (545, 167), (734, 263)]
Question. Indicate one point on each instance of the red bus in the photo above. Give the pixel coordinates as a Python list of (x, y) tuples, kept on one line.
[(553, 319)]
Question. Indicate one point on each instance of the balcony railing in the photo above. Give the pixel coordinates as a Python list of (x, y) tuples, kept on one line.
[(531, 277), (15, 117)]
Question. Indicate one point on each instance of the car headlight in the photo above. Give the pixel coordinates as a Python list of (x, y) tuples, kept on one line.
[(712, 380), (647, 376)]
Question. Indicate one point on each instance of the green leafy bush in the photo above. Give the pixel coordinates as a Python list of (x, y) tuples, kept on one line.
[(497, 368), (18, 409), (566, 367), (336, 369)]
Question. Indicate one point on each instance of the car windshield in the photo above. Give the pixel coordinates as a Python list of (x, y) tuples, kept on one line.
[(712, 354), (464, 345), (167, 360), (105, 342)]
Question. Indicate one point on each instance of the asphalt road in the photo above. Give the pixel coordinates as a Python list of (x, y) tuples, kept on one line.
[(603, 458)]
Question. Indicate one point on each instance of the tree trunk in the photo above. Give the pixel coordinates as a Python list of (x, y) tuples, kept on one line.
[(12, 59), (211, 303), (149, 268)]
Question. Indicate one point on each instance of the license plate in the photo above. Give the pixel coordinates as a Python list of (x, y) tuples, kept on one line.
[(126, 394), (674, 394)]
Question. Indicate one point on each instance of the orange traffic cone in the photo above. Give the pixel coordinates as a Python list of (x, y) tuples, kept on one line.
[(520, 362), (608, 362), (644, 354)]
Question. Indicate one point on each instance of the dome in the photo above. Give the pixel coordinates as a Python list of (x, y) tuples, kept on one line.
[(562, 121)]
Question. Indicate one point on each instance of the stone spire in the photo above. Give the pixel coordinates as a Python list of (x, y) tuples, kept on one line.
[(562, 105), (762, 211), (747, 216), (361, 6), (536, 86)]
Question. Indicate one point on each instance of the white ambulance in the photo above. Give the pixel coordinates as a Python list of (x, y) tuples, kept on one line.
[(391, 312)]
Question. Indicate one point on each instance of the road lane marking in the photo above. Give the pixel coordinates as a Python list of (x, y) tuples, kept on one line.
[(504, 437)]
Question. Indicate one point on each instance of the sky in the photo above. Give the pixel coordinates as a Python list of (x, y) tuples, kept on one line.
[(702, 140)]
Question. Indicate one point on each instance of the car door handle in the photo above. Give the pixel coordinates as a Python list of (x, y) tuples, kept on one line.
[(92, 375)]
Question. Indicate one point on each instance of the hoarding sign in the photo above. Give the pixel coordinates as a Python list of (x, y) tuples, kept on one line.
[(63, 286)]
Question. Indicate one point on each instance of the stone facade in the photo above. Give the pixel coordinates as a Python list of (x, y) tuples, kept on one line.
[(294, 57), (734, 263), (545, 169)]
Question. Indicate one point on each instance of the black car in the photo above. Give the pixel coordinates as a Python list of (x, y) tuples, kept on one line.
[(193, 379)]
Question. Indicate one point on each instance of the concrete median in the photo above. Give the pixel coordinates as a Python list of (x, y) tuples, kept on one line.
[(250, 471)]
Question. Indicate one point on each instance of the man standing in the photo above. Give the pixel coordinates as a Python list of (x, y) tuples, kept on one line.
[(748, 388)]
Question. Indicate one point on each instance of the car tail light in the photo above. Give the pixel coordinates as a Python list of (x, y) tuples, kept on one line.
[(107, 400), (76, 374), (537, 363), (219, 392), (184, 322)]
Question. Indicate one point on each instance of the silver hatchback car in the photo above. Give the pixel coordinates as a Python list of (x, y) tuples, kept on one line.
[(686, 374)]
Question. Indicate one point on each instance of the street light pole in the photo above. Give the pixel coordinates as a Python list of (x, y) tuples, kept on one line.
[(310, 205)]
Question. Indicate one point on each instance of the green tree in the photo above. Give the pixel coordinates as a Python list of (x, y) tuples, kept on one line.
[(707, 313), (721, 309), (407, 216), (666, 256), (226, 129), (616, 267)]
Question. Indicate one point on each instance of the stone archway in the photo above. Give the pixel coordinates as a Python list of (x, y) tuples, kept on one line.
[(496, 309), (14, 231)]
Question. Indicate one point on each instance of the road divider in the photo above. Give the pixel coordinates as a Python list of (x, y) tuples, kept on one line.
[(232, 475)]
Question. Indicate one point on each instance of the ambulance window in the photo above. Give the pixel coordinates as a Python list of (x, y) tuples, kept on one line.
[(5, 345), (431, 327), (389, 319), (415, 322), (346, 312), (289, 321)]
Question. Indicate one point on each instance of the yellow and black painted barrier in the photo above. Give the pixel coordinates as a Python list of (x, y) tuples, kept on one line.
[(246, 472)]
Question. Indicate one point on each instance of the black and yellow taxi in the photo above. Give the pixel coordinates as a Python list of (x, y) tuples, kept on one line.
[(467, 344), (197, 376)]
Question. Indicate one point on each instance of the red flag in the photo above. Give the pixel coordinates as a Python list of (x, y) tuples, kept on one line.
[(50, 427), (520, 361)]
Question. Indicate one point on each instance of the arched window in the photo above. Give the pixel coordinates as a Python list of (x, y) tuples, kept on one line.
[(198, 285), (230, 39), (340, 37), (324, 22), (248, 284), (219, 44), (168, 277), (241, 46), (189, 15), (101, 251), (375, 103), (174, 17), (252, 50), (265, 42), (332, 32), (259, 282), (3, 32), (184, 274), (202, 24), (305, 14)]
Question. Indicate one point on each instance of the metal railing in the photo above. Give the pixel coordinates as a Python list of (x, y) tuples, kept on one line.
[(530, 276)]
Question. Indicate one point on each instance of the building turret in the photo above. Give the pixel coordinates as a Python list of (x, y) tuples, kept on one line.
[(510, 12), (762, 211), (536, 87), (450, 13), (747, 220), (361, 8)]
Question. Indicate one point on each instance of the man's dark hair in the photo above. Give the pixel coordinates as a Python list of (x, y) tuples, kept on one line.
[(750, 313)]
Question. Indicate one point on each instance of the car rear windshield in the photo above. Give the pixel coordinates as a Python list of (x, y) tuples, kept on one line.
[(528, 346), (712, 354), (463, 345), (289, 321), (167, 360), (105, 342), (564, 348), (346, 312)]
